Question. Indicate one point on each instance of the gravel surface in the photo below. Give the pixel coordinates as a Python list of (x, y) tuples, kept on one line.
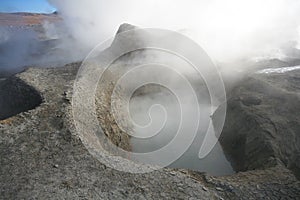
[(41, 157)]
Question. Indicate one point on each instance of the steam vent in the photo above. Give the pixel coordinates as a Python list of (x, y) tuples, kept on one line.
[(42, 156)]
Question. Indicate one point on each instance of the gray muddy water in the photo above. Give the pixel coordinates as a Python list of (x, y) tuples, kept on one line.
[(164, 118)]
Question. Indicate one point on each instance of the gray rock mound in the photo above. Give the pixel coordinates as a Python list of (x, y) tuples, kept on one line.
[(262, 127), (16, 96)]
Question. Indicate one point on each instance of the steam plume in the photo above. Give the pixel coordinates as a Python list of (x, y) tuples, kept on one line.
[(227, 30)]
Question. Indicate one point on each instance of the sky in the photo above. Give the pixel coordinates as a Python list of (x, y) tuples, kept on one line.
[(36, 6)]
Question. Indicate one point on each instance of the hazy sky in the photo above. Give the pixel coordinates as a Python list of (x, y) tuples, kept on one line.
[(38, 6)]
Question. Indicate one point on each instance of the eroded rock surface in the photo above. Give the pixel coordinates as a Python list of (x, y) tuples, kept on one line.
[(42, 157)]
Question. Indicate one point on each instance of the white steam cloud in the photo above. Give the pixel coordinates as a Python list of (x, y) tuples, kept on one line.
[(227, 30)]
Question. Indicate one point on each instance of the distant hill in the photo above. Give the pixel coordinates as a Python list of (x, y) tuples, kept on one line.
[(26, 19)]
